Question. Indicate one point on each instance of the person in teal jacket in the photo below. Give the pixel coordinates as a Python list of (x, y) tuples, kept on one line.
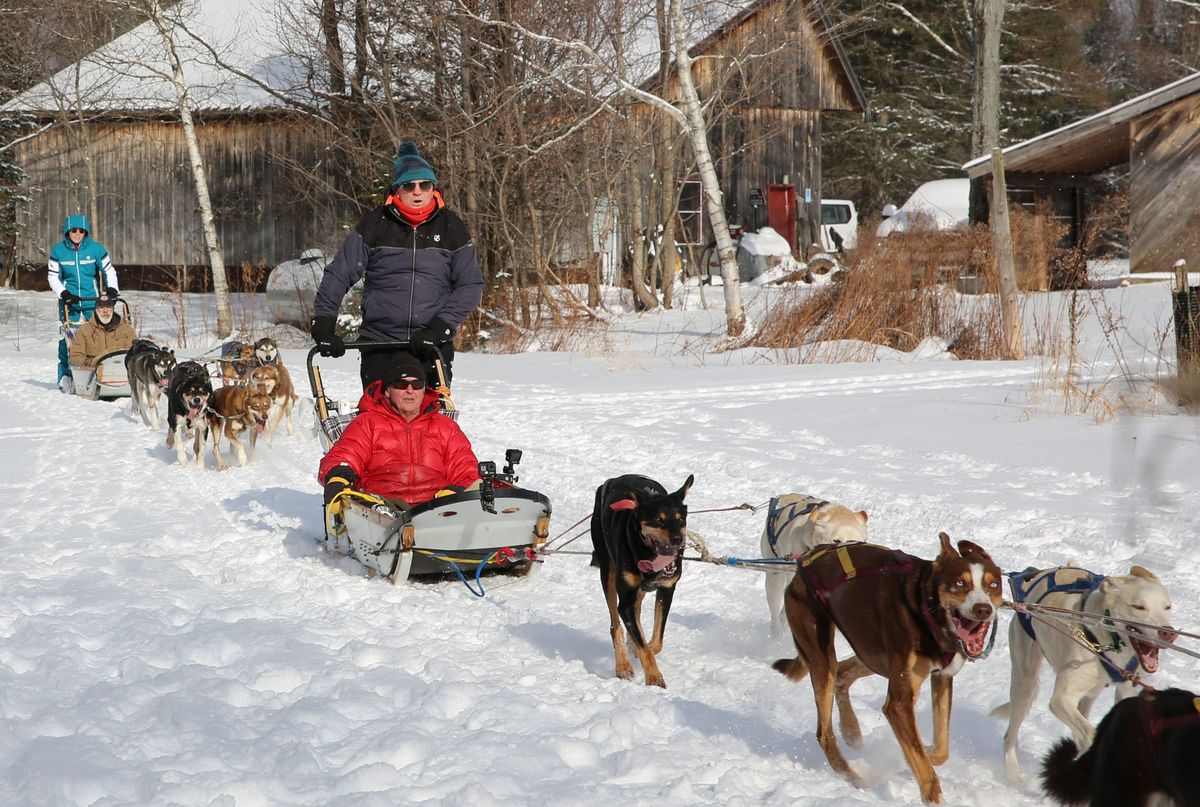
[(79, 269)]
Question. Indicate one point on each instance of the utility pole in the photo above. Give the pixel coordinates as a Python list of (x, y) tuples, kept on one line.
[(985, 102)]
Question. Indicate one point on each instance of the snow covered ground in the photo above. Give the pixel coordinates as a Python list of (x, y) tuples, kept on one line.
[(174, 636)]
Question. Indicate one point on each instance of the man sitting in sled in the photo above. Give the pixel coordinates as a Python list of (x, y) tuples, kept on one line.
[(400, 446), (101, 335)]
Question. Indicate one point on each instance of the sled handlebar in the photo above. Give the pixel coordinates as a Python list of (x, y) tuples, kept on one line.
[(314, 373)]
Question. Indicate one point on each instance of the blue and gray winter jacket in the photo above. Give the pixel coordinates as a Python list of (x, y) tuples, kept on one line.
[(85, 271), (410, 274)]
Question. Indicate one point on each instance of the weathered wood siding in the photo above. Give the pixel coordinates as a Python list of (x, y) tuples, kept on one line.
[(1164, 187), (147, 213), (773, 74), (774, 59), (761, 147)]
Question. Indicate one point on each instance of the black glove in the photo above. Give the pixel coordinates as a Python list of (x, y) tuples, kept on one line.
[(435, 334), (324, 333), (68, 298), (337, 480), (112, 293)]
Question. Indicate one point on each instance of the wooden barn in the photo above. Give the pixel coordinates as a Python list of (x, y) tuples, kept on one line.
[(1157, 135), (769, 73), (114, 149)]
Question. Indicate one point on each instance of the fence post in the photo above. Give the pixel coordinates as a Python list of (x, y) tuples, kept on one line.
[(1186, 310)]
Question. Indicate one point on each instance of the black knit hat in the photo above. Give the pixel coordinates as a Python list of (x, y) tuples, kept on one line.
[(403, 368), (410, 165)]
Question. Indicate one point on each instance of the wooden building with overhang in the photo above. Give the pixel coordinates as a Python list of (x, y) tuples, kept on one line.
[(1157, 135), (767, 75), (108, 143)]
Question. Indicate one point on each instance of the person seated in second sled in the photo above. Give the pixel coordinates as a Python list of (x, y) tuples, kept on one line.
[(400, 446), (105, 332)]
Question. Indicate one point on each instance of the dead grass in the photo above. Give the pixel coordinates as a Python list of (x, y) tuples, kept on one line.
[(894, 294), (515, 320)]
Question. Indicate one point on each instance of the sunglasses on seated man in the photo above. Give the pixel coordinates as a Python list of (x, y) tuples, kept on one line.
[(416, 185), (407, 383)]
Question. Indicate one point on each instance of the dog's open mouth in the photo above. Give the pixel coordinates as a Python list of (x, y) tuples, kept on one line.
[(195, 410), (664, 557), (1147, 654), (164, 381), (972, 636)]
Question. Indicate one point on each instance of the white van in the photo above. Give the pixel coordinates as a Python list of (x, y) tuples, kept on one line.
[(839, 225)]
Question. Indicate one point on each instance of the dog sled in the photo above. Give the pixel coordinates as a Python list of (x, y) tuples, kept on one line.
[(495, 527), (108, 379)]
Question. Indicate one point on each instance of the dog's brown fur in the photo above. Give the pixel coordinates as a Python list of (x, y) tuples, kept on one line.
[(274, 380), (907, 619), (233, 410), (236, 360)]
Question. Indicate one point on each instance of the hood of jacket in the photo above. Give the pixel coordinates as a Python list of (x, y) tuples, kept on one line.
[(374, 398), (77, 220)]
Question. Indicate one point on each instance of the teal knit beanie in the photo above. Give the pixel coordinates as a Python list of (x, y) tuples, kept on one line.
[(410, 165)]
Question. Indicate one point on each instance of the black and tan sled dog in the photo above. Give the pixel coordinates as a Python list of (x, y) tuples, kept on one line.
[(638, 532)]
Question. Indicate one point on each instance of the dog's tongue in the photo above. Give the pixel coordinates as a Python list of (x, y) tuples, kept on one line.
[(164, 381), (194, 412), (659, 563), (1147, 655), (259, 427), (973, 636)]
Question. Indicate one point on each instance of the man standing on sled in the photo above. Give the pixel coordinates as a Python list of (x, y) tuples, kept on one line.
[(400, 447), (79, 268), (421, 277)]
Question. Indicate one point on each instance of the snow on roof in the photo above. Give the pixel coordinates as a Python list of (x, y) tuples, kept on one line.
[(1116, 114), (132, 72)]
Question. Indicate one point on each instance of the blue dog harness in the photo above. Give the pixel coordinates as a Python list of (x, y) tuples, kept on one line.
[(793, 510), (1020, 583)]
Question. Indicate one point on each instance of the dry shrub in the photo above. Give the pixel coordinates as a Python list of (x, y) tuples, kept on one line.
[(893, 294), (557, 322), (1037, 238)]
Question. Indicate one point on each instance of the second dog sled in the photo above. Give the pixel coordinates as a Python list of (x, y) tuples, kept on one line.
[(495, 526), (106, 380)]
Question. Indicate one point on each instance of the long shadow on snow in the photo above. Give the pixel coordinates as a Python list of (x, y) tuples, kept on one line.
[(556, 640)]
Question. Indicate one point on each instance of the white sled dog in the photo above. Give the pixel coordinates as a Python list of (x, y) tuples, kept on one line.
[(797, 522), (1080, 674)]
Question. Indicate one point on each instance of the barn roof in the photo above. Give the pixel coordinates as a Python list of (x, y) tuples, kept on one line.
[(835, 55), (1087, 146), (131, 73)]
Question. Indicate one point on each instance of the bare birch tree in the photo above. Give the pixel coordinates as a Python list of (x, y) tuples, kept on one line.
[(690, 120), (165, 28)]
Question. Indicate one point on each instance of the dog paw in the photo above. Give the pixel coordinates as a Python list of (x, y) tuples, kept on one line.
[(625, 673), (656, 681)]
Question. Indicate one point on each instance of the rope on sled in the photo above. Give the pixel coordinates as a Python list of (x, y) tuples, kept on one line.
[(335, 525)]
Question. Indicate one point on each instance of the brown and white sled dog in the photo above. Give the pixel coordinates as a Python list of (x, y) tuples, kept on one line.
[(1079, 673), (148, 368), (233, 410), (797, 522), (274, 380), (188, 394), (906, 619)]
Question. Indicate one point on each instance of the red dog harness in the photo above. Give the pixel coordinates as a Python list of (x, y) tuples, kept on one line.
[(899, 563)]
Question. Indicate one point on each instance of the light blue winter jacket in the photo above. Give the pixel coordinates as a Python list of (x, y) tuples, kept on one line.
[(85, 271)]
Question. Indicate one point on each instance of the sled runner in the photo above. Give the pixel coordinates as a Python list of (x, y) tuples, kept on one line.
[(108, 379), (497, 527)]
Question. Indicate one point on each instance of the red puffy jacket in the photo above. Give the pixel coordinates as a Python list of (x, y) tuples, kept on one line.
[(399, 459)]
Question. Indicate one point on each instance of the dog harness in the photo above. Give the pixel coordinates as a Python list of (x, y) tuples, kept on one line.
[(793, 511), (1158, 726), (1020, 583), (899, 563)]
